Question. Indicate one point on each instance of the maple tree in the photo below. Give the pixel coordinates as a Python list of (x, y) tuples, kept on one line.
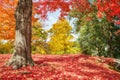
[(60, 36), (23, 14)]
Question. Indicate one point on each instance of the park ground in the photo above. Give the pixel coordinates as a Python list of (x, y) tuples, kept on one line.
[(61, 67)]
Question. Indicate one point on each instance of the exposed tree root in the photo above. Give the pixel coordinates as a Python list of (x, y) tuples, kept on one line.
[(19, 61)]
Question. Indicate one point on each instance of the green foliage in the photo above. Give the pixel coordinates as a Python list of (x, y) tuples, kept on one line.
[(116, 46), (39, 37), (60, 37), (91, 39), (75, 48), (6, 47), (97, 38)]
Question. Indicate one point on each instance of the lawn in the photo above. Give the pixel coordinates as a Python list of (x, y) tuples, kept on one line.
[(60, 67)]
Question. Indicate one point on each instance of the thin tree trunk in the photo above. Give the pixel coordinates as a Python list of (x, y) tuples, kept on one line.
[(22, 52)]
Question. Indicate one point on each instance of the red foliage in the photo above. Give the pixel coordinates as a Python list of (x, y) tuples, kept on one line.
[(64, 67), (45, 6), (99, 15), (83, 6), (110, 7)]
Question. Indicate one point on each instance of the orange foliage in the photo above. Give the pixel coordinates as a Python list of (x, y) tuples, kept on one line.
[(7, 20)]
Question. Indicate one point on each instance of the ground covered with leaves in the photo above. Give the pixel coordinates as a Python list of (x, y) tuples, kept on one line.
[(60, 67)]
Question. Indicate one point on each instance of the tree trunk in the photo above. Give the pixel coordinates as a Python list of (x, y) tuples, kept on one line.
[(22, 52)]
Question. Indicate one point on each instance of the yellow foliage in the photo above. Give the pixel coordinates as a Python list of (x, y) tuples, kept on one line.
[(39, 37), (6, 47), (60, 38)]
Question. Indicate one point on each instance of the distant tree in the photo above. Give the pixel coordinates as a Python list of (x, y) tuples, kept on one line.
[(6, 46), (60, 37), (95, 30), (39, 37), (98, 38)]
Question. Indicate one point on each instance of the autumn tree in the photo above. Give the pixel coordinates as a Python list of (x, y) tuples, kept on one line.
[(7, 25), (60, 36), (95, 29), (39, 39), (23, 14), (22, 51)]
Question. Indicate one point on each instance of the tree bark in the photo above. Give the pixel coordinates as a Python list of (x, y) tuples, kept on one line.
[(22, 52)]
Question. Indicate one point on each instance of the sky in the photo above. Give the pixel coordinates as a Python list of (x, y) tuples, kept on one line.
[(51, 19)]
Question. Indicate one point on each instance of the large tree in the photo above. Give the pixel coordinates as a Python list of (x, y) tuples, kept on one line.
[(22, 52)]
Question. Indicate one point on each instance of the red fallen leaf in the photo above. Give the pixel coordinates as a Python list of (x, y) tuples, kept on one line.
[(64, 67)]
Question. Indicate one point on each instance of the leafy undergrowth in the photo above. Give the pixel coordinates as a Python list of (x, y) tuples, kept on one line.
[(60, 67)]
